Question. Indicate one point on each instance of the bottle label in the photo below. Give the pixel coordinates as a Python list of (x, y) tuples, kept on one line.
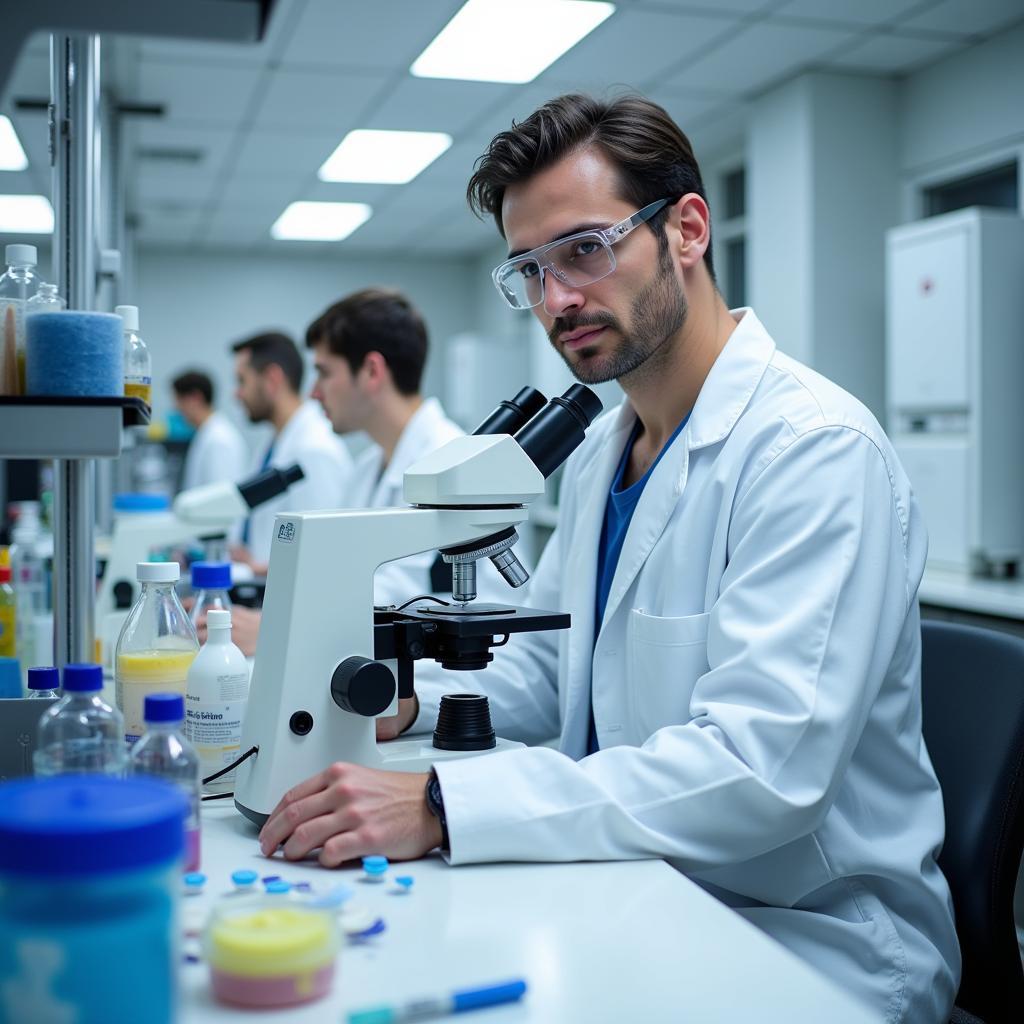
[(140, 387), (8, 631), (214, 728)]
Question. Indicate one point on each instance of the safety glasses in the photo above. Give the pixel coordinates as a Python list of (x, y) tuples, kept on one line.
[(575, 260)]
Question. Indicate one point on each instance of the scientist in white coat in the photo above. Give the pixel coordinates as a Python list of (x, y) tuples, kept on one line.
[(739, 692), (269, 371), (370, 349), (217, 452), (369, 353)]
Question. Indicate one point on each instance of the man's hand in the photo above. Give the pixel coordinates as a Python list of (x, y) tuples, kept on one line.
[(349, 811), (391, 728)]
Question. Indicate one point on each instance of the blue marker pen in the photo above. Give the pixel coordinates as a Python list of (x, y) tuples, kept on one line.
[(458, 1002)]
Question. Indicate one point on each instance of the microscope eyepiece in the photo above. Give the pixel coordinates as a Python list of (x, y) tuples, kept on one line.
[(558, 429), (513, 413), (269, 484)]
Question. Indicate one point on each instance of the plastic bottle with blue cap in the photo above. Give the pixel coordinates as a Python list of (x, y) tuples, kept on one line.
[(43, 682), (80, 733), (165, 753), (211, 582)]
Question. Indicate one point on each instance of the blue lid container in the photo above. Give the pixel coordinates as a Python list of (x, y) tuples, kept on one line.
[(163, 707), (74, 825), (83, 678), (43, 677), (211, 576), (90, 873), (141, 503)]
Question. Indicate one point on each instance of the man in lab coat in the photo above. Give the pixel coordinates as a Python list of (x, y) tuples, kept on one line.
[(217, 451), (269, 370), (740, 552), (369, 352)]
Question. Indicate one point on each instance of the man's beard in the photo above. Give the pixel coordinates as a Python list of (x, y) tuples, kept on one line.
[(658, 312)]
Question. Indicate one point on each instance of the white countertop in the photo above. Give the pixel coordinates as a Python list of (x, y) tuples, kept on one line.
[(950, 589), (595, 942)]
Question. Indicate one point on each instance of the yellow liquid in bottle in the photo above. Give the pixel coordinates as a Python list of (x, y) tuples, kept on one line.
[(145, 672)]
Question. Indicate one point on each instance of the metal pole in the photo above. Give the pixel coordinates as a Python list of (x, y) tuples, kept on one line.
[(75, 75)]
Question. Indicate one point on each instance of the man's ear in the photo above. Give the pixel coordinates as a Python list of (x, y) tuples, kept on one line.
[(691, 219)]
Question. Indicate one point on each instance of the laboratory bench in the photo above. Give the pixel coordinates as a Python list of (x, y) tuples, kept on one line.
[(974, 600), (595, 942)]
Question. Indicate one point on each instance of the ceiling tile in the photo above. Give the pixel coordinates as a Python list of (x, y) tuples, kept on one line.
[(268, 154), (633, 47), (317, 100), (967, 17), (853, 12), (375, 35), (159, 141), (176, 185), (275, 190), (893, 54), (686, 107), (739, 8), (199, 94), (759, 55), (433, 104), (451, 170)]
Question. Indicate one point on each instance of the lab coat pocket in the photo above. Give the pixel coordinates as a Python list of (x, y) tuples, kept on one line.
[(667, 655)]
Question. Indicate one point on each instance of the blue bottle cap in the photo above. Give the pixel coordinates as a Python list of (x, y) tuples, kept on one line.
[(375, 865), (244, 877), (83, 678), (194, 879), (82, 825), (164, 707), (141, 502), (404, 881), (279, 885), (211, 576), (43, 677)]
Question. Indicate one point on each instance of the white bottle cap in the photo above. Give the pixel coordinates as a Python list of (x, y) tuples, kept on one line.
[(130, 316), (158, 572), (21, 254), (218, 618)]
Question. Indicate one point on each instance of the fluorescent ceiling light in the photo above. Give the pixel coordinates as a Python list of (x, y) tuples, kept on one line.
[(391, 158), (12, 156), (320, 222), (508, 40), (26, 215)]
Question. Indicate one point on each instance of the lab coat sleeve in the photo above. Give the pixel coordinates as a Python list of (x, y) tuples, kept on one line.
[(808, 614), (522, 685)]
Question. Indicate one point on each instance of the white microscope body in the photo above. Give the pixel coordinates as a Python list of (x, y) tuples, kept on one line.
[(307, 706)]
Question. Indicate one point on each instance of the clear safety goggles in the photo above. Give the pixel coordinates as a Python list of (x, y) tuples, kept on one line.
[(575, 260)]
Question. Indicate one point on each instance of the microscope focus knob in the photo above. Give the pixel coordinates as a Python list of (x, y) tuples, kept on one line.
[(362, 686)]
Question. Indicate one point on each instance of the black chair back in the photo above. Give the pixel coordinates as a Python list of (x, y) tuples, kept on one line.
[(973, 702)]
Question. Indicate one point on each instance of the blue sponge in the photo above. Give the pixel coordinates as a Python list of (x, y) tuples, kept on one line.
[(73, 353)]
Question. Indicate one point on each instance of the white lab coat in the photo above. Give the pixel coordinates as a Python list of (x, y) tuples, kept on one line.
[(217, 452), (309, 440), (429, 429), (756, 684)]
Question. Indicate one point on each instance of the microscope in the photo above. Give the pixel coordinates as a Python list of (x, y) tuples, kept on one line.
[(328, 663), (206, 512)]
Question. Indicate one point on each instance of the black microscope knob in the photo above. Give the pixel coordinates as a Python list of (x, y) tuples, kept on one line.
[(362, 686)]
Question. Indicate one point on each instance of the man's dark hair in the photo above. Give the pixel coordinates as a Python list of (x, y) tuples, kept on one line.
[(194, 382), (274, 349), (375, 320), (654, 158)]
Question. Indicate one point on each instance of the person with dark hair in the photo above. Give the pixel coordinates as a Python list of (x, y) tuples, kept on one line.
[(217, 451), (369, 351), (269, 371), (740, 551)]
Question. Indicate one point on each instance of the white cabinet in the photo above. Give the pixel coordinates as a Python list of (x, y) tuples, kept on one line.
[(955, 381)]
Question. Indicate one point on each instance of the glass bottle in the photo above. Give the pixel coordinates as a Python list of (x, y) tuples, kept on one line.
[(156, 645), (138, 366), (165, 753), (80, 733), (17, 286)]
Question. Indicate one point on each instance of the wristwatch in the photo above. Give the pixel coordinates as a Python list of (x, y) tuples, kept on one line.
[(435, 804)]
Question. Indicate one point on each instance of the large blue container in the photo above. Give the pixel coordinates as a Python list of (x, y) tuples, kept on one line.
[(89, 878), (73, 353)]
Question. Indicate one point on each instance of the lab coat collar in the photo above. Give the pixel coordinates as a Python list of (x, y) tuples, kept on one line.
[(731, 383), (308, 416), (724, 395), (423, 424)]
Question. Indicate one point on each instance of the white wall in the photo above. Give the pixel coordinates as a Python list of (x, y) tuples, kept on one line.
[(823, 185), (967, 105), (192, 307)]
